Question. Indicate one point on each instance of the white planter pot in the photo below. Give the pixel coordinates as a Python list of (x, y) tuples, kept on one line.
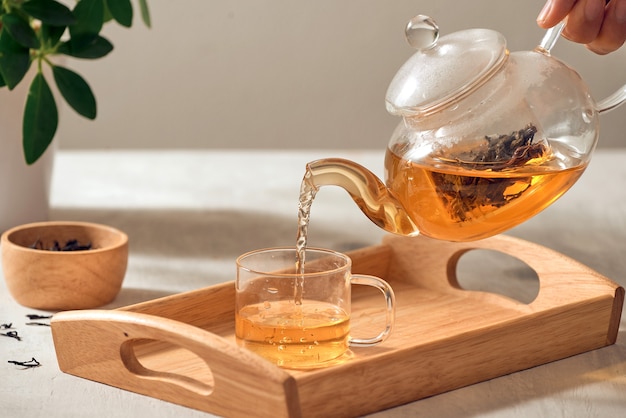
[(24, 190)]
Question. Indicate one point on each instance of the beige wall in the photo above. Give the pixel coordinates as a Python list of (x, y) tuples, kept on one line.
[(285, 73)]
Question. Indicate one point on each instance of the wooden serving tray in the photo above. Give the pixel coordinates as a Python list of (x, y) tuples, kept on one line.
[(181, 348)]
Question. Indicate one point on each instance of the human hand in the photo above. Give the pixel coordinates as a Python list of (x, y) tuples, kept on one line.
[(599, 24)]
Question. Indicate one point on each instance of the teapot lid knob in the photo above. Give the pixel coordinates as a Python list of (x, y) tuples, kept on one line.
[(422, 32)]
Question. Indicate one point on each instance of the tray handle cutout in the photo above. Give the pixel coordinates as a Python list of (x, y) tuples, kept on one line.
[(496, 272), (169, 360), (432, 264), (202, 385)]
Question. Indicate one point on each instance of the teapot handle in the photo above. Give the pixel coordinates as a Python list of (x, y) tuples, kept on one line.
[(550, 38), (612, 101), (608, 103)]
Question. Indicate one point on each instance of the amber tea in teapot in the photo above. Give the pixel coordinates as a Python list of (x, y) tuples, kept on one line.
[(466, 199)]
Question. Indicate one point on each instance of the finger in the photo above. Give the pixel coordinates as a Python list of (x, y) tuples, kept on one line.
[(554, 11), (584, 21), (613, 31)]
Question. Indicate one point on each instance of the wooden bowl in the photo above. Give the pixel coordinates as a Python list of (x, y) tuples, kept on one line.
[(54, 280)]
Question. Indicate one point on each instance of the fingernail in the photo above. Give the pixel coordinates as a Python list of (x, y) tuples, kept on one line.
[(597, 51), (544, 12)]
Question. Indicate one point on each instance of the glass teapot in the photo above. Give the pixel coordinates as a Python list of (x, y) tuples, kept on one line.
[(487, 139)]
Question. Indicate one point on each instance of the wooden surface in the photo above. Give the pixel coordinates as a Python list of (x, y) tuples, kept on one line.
[(444, 338), (187, 223), (62, 280)]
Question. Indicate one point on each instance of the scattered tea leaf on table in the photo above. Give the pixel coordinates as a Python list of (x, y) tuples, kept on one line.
[(26, 364)]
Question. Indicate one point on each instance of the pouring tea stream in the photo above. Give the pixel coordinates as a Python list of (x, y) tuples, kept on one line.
[(488, 138)]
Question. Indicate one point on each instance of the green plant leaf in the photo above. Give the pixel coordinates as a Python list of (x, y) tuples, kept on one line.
[(20, 30), (97, 47), (107, 14), (122, 11), (89, 16), (51, 34), (76, 91), (40, 119), (2, 83), (49, 11), (145, 13), (14, 60)]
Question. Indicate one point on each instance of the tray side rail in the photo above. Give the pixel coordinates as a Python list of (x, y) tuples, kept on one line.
[(206, 308), (219, 376)]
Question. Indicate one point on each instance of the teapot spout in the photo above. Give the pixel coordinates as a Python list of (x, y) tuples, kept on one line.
[(370, 194)]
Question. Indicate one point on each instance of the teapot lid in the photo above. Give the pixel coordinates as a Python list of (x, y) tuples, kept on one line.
[(444, 68)]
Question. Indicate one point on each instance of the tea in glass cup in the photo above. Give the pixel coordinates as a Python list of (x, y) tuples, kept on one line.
[(299, 316)]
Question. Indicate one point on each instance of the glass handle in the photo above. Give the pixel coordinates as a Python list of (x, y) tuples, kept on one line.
[(390, 301), (550, 37), (608, 103), (612, 101)]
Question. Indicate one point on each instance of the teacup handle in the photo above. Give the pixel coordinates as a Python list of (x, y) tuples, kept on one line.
[(390, 300)]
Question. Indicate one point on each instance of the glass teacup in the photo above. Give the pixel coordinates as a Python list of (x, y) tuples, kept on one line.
[(300, 319)]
